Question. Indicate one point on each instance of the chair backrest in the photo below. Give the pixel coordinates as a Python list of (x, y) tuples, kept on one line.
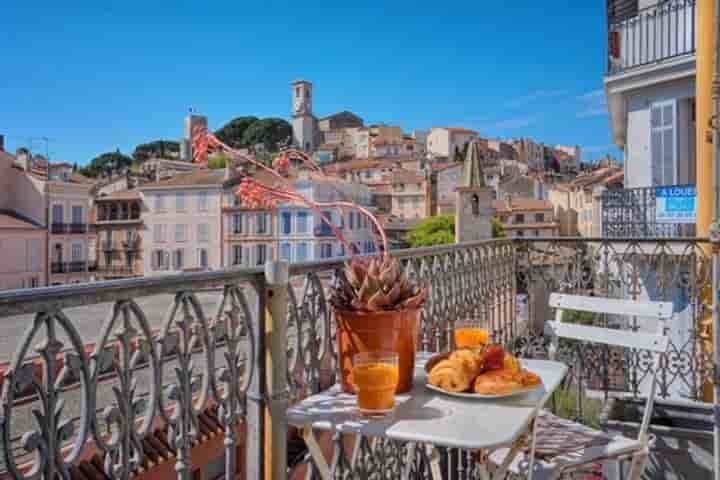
[(657, 343)]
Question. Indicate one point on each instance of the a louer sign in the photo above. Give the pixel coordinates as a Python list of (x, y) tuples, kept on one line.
[(675, 204)]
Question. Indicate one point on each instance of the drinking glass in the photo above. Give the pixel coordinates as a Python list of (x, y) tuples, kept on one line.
[(376, 376), (469, 333)]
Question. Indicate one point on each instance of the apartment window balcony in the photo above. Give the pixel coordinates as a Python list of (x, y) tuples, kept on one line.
[(58, 228), (58, 267), (77, 228), (76, 266), (650, 36), (115, 270), (631, 213)]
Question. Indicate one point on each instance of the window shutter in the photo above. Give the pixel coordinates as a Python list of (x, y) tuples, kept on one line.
[(153, 260)]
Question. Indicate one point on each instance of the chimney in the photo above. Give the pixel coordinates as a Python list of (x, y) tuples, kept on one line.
[(22, 158), (2, 143)]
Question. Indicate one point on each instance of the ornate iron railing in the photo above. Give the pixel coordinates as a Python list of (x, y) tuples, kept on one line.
[(654, 34), (630, 213), (171, 347)]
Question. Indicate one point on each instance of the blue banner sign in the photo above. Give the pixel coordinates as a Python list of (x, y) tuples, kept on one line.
[(675, 204)]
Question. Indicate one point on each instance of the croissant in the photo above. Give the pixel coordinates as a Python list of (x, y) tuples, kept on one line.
[(502, 381), (457, 373)]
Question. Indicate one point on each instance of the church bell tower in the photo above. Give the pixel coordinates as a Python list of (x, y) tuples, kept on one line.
[(473, 201), (303, 122)]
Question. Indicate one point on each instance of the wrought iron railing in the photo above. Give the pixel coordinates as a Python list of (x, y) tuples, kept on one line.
[(631, 213), (172, 346), (657, 33)]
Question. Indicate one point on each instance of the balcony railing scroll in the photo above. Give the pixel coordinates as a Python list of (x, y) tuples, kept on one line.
[(657, 33), (199, 340)]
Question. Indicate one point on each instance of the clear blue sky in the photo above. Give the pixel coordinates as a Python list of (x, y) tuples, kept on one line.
[(94, 78)]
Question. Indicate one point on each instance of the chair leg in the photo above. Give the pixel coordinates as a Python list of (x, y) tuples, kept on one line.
[(638, 465)]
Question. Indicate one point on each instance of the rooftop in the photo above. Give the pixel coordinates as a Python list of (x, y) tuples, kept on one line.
[(519, 204), (190, 179), (120, 195)]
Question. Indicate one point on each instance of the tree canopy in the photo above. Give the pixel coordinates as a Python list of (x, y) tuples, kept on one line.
[(440, 230), (156, 149), (232, 132), (270, 132), (104, 162), (218, 161)]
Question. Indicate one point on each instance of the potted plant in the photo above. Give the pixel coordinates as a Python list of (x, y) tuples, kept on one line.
[(376, 306)]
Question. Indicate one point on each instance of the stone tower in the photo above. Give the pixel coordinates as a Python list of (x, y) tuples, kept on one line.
[(473, 201), (304, 123)]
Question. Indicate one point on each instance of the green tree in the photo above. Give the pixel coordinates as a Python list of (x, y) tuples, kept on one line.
[(104, 162), (232, 132), (270, 132), (497, 229), (437, 230), (576, 316), (218, 161), (156, 149)]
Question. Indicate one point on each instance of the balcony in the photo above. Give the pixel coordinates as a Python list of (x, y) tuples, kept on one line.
[(115, 270), (58, 228), (76, 266), (650, 36), (108, 215), (632, 213), (109, 246), (58, 267), (72, 228), (181, 342)]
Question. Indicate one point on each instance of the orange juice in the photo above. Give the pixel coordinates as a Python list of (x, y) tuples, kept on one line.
[(468, 337), (375, 381)]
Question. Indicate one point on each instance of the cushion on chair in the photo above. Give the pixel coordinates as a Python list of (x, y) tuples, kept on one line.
[(562, 442)]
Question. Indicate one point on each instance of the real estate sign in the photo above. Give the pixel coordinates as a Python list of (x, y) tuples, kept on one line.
[(675, 204)]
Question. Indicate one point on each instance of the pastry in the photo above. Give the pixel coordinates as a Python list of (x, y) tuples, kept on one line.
[(452, 375), (497, 382)]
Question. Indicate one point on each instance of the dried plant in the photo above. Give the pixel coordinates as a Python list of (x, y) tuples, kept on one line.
[(376, 284)]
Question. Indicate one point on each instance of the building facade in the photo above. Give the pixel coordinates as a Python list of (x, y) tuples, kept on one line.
[(181, 218), (24, 259), (445, 142), (526, 217), (410, 195), (531, 153), (119, 228)]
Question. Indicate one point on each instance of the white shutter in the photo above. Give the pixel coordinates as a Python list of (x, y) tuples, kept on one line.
[(663, 143)]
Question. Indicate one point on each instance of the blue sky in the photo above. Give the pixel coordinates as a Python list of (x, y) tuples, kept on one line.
[(92, 77)]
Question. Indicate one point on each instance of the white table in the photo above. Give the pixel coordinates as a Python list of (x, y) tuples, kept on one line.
[(429, 417)]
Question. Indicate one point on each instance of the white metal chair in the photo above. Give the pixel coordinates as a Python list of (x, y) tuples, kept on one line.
[(578, 446)]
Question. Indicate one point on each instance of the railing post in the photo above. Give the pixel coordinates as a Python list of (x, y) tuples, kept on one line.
[(276, 313), (255, 427)]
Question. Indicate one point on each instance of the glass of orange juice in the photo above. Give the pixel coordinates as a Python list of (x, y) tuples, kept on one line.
[(469, 334), (376, 376)]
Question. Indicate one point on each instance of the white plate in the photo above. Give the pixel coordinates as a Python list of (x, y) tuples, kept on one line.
[(481, 396)]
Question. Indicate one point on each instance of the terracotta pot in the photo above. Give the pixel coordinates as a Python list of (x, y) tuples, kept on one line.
[(392, 331)]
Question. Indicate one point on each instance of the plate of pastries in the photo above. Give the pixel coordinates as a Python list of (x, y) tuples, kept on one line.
[(488, 372)]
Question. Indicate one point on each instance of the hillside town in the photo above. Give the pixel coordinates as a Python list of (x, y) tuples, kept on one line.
[(60, 226)]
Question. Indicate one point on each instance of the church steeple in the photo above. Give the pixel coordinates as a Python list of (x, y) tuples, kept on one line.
[(473, 175)]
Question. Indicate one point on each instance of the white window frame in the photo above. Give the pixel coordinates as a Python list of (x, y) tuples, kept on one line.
[(284, 246), (203, 232), (180, 232), (261, 247), (663, 128), (200, 258), (62, 213), (237, 223), (235, 256), (73, 209), (180, 201), (160, 202), (179, 253), (76, 247), (203, 201)]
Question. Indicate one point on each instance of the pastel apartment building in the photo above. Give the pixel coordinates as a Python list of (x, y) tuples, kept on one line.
[(445, 142), (24, 259), (526, 217), (181, 223), (119, 229), (57, 200), (410, 195)]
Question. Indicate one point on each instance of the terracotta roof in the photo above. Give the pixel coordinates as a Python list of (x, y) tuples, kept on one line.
[(80, 178), (121, 195), (617, 177), (10, 221), (406, 176), (198, 177), (521, 204), (439, 167)]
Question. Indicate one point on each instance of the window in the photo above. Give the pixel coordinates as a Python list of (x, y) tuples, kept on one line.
[(260, 223), (203, 257), (203, 201), (285, 251), (180, 201), (520, 218), (160, 260), (325, 250), (520, 233), (537, 233), (301, 251), (158, 233), (401, 202), (286, 222), (351, 220), (237, 255), (180, 233), (57, 214), (203, 232), (160, 202), (324, 227), (662, 142), (237, 223), (178, 259), (76, 252), (342, 250), (77, 214), (302, 222), (297, 92), (539, 217), (261, 254), (34, 282)]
